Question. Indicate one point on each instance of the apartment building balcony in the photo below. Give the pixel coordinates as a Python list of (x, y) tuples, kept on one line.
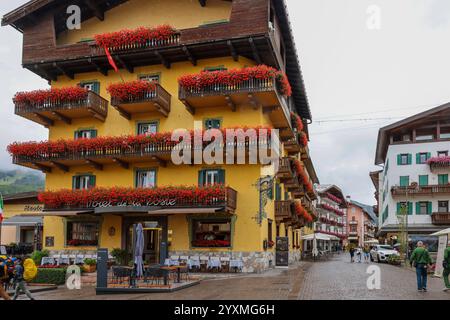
[(353, 233), (154, 99), (439, 163), (101, 151), (182, 200), (46, 109), (258, 93), (284, 211), (429, 190), (294, 147), (440, 218), (353, 222)]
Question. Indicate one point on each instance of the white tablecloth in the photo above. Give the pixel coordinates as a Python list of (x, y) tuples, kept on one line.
[(214, 264), (193, 263), (236, 264)]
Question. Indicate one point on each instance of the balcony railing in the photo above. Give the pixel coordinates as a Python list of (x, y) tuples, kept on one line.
[(420, 190), (284, 210), (224, 198), (255, 92), (117, 150), (47, 112), (441, 218), (153, 100)]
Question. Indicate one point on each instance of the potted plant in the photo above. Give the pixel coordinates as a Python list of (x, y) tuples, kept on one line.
[(121, 256), (90, 265), (394, 260)]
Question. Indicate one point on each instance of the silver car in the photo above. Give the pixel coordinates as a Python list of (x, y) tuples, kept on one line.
[(381, 252)]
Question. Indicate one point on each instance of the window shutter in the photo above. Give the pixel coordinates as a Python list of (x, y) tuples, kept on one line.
[(201, 178), (410, 208), (92, 181), (93, 134), (409, 158), (399, 159), (423, 180), (277, 192), (430, 207), (399, 208), (75, 183), (222, 176), (76, 134), (96, 87), (417, 207), (417, 158), (428, 155)]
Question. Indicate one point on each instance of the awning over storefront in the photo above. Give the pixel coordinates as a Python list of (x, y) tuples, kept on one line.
[(23, 221), (185, 211), (63, 213), (441, 233), (317, 236)]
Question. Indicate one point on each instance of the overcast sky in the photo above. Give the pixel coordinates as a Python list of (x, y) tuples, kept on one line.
[(350, 72)]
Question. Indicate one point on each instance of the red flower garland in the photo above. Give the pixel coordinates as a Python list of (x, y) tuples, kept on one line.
[(303, 139), (62, 147), (234, 77), (68, 94), (444, 160), (302, 212), (303, 177), (332, 197), (128, 90), (140, 36), (330, 208), (297, 122), (117, 195)]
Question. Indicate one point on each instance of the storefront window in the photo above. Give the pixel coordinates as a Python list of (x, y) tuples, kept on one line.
[(211, 233), (82, 233)]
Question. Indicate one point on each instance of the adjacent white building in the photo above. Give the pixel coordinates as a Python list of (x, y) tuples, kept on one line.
[(414, 154)]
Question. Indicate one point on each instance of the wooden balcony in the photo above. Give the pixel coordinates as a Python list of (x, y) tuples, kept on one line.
[(158, 153), (440, 218), (429, 190), (158, 100), (46, 113), (284, 211), (257, 93), (285, 172), (292, 147), (439, 166)]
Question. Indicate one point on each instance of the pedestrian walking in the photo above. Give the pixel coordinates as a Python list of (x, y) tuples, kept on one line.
[(352, 254), (4, 280), (366, 251), (420, 259), (446, 265), (359, 254), (19, 281)]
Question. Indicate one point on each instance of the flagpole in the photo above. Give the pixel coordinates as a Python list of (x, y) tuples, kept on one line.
[(1, 216)]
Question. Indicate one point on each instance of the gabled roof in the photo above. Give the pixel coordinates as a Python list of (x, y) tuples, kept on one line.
[(375, 177), (383, 134), (367, 209), (333, 189)]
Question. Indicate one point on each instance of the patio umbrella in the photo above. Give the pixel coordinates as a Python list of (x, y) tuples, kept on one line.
[(139, 250)]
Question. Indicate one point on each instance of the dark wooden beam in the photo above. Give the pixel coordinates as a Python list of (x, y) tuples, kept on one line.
[(161, 109), (64, 71), (100, 14), (48, 76), (230, 103), (190, 56), (60, 166), (94, 164), (122, 163), (124, 64), (47, 121), (97, 115), (253, 101), (100, 69), (256, 55), (164, 61), (233, 50), (61, 117), (43, 168), (189, 108), (123, 113), (160, 161)]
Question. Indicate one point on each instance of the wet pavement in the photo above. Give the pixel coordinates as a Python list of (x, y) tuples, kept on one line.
[(335, 279)]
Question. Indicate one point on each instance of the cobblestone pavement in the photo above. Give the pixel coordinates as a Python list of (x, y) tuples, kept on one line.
[(277, 284), (336, 279), (339, 279)]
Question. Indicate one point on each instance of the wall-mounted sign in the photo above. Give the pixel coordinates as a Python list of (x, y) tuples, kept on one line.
[(33, 208), (50, 241), (156, 203)]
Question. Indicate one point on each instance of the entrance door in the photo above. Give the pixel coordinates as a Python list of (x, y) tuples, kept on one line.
[(152, 241)]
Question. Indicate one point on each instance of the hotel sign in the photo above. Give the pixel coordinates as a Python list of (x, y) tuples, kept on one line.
[(33, 208), (109, 204)]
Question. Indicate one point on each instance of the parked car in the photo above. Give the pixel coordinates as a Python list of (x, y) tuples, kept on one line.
[(381, 252)]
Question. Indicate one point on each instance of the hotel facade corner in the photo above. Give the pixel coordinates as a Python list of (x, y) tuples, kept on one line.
[(108, 158)]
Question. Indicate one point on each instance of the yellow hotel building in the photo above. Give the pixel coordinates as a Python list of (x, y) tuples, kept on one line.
[(254, 218)]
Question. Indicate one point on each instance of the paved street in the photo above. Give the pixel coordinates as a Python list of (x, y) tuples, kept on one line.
[(335, 279)]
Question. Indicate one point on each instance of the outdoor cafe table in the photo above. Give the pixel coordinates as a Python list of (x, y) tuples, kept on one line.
[(177, 269)]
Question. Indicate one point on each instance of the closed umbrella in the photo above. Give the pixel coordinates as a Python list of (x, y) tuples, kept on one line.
[(139, 251)]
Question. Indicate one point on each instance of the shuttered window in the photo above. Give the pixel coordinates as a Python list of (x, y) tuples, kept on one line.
[(402, 206), (423, 207), (404, 159), (422, 157), (443, 179), (404, 181), (85, 134), (212, 124), (423, 180), (93, 86)]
